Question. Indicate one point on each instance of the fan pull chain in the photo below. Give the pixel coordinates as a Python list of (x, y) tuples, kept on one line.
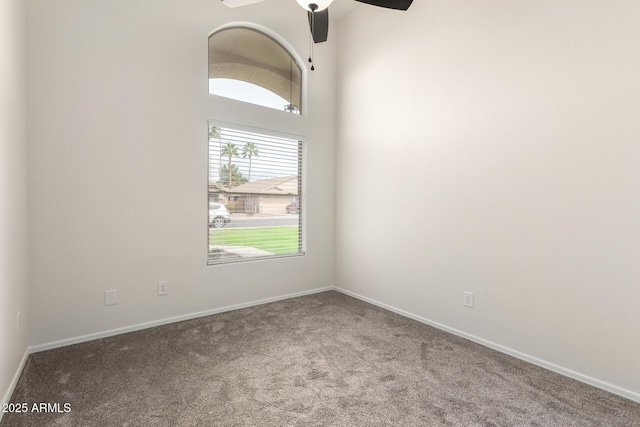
[(311, 58), (311, 49), (313, 29)]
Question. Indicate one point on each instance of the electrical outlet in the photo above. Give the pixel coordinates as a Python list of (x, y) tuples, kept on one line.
[(110, 297), (467, 299), (18, 322), (163, 288)]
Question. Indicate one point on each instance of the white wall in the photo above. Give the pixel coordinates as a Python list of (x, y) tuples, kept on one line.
[(493, 147), (14, 266), (118, 110)]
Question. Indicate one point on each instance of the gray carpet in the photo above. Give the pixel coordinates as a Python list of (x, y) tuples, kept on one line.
[(325, 359)]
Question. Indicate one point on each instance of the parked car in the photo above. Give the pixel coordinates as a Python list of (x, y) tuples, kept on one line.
[(293, 208), (218, 215)]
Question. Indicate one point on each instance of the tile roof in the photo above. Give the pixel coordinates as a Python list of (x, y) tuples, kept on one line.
[(284, 185)]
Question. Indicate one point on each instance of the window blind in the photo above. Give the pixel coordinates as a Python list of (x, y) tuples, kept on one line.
[(255, 194)]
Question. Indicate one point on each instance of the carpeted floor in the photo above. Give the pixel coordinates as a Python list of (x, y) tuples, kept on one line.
[(325, 359)]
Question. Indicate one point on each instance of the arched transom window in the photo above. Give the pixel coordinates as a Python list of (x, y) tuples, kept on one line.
[(247, 65)]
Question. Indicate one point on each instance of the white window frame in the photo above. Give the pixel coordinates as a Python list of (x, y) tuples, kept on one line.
[(285, 44), (302, 196)]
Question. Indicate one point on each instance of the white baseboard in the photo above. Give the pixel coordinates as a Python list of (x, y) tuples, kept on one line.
[(16, 378), (189, 316), (522, 356)]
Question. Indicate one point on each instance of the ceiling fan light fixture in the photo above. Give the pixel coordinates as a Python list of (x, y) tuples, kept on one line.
[(321, 4)]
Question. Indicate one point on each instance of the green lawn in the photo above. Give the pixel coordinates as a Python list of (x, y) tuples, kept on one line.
[(278, 240)]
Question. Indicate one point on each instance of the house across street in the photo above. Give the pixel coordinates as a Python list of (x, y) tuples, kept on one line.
[(271, 196)]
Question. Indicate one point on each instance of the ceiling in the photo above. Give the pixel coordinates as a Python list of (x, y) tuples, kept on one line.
[(337, 10), (340, 8)]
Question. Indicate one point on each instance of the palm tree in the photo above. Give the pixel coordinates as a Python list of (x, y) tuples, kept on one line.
[(229, 150), (249, 150)]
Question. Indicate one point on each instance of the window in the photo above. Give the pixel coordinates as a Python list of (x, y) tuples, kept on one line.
[(255, 189), (247, 65)]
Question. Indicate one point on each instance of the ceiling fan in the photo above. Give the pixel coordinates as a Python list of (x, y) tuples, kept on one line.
[(318, 12)]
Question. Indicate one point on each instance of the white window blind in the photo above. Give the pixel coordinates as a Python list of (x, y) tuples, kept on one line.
[(255, 193)]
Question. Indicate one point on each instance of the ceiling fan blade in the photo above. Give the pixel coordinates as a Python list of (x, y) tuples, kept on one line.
[(319, 25), (389, 4), (238, 3)]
